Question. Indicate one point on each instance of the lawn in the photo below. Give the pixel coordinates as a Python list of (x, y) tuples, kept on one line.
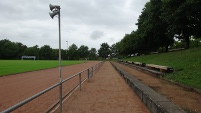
[(187, 65), (8, 67)]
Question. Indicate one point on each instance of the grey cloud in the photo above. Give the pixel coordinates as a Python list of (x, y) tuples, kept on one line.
[(99, 12), (20, 19), (111, 39), (96, 35)]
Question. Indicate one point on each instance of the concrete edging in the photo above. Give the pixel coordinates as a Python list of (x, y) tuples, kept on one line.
[(155, 102)]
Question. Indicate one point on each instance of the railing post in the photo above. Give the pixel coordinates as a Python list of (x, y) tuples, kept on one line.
[(80, 81), (60, 95), (88, 74), (92, 71)]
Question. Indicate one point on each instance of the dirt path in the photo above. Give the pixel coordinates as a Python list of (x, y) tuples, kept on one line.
[(16, 88), (106, 92), (188, 100)]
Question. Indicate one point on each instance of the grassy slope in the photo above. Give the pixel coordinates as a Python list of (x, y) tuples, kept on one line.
[(17, 66), (187, 65)]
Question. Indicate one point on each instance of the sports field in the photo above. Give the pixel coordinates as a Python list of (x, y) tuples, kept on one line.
[(8, 67)]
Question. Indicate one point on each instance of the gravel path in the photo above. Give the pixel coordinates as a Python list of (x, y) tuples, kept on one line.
[(106, 92)]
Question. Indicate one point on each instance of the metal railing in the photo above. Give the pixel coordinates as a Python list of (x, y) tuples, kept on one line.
[(89, 71)]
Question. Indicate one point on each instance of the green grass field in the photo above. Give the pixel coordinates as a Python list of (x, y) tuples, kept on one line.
[(187, 65), (8, 67)]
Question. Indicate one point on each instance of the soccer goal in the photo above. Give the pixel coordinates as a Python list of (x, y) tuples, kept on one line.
[(28, 57)]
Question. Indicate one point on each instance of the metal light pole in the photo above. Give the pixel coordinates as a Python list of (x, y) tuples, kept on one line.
[(67, 45), (67, 49), (56, 11)]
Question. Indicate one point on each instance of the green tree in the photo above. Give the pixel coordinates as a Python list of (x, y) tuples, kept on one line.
[(114, 51), (104, 50), (93, 54), (119, 47), (152, 28), (32, 51), (73, 52), (9, 50), (130, 44), (45, 52), (144, 28), (55, 54), (126, 45), (63, 54), (2, 42), (195, 17), (83, 51), (22, 49), (183, 18)]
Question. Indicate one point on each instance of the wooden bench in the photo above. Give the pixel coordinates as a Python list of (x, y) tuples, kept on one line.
[(178, 49), (138, 63), (120, 60), (130, 62), (160, 68)]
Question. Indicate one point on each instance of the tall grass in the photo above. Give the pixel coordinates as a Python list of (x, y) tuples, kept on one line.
[(8, 67), (187, 65)]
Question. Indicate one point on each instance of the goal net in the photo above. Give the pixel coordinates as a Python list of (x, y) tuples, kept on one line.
[(28, 57)]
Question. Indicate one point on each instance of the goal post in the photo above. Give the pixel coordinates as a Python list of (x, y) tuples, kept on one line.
[(28, 57)]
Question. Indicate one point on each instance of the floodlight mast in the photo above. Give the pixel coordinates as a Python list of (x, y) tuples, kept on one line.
[(56, 11)]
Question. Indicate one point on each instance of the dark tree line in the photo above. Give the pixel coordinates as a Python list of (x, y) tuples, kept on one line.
[(160, 23), (107, 51), (15, 50), (83, 52)]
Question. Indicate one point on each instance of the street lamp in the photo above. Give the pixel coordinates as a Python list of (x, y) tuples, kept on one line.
[(67, 49), (56, 11), (67, 44)]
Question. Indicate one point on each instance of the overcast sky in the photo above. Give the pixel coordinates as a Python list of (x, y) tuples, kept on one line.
[(83, 22)]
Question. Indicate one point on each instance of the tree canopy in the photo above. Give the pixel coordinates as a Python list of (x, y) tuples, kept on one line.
[(160, 23), (15, 50), (104, 50)]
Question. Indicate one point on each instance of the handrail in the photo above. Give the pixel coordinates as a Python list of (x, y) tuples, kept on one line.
[(12, 108), (29, 99)]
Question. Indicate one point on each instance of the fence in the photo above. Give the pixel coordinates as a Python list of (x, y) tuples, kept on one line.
[(88, 72)]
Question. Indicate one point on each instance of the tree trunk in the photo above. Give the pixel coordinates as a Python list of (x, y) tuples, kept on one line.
[(187, 40), (166, 48), (197, 42)]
